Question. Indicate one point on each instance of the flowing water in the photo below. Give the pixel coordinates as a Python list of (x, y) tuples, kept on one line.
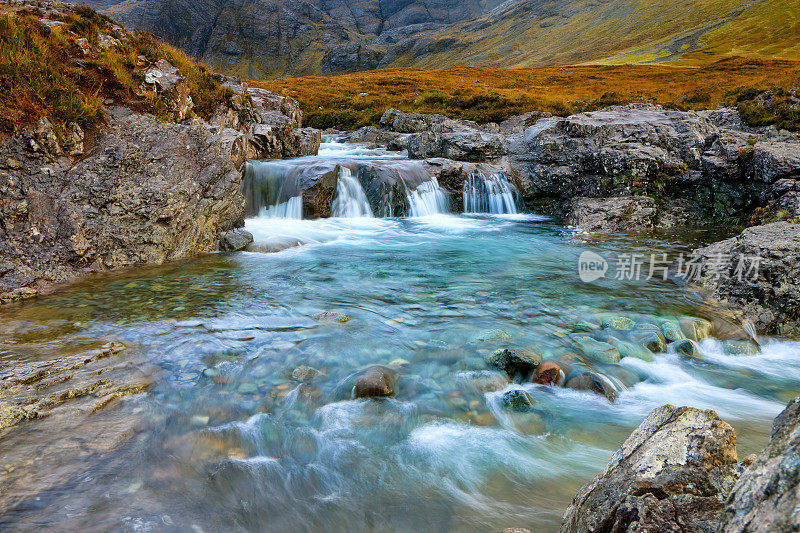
[(231, 440)]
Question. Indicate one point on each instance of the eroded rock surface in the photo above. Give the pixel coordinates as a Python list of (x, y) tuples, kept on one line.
[(695, 165), (767, 495), (148, 192), (758, 272), (672, 474)]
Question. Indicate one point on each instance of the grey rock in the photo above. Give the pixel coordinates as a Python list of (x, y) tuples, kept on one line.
[(758, 273), (147, 192), (514, 362), (518, 400), (671, 474), (608, 215), (376, 382), (767, 495), (235, 240), (168, 82)]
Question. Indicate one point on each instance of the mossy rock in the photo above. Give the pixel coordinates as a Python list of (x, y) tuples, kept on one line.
[(597, 350), (514, 361), (686, 348), (518, 400), (696, 329)]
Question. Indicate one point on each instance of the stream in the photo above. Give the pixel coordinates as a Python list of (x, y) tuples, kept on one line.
[(234, 437)]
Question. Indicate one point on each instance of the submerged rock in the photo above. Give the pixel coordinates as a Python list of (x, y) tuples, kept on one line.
[(332, 316), (671, 474), (518, 400), (494, 335), (591, 381), (617, 322), (597, 350), (630, 349), (746, 347), (549, 373), (305, 373), (686, 348), (514, 362), (376, 382), (651, 339)]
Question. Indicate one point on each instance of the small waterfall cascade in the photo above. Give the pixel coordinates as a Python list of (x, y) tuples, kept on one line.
[(351, 200), (292, 208), (493, 194), (272, 190), (428, 199)]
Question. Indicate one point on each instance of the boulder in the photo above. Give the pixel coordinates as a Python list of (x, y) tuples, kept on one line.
[(518, 400), (514, 362), (171, 86), (146, 193), (235, 240), (671, 167), (672, 474), (757, 273), (376, 382), (686, 348), (549, 373), (767, 495), (591, 381), (610, 215), (460, 145)]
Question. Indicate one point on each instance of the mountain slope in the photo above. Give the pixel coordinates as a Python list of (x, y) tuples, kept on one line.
[(270, 38)]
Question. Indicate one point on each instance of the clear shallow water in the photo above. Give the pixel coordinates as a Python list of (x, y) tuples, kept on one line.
[(229, 441)]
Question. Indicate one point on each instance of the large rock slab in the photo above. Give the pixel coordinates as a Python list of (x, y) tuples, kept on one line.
[(757, 272), (672, 474), (147, 192), (606, 215), (699, 161), (767, 495)]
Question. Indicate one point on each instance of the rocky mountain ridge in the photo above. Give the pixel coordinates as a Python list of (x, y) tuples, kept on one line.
[(269, 38)]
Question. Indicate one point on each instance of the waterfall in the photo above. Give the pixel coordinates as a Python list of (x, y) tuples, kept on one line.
[(272, 189), (494, 194), (293, 208), (350, 201), (428, 199)]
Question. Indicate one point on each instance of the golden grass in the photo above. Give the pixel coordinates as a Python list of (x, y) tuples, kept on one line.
[(492, 94), (39, 74)]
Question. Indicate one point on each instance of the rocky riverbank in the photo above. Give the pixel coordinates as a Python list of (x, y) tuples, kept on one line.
[(679, 471), (136, 189), (637, 168)]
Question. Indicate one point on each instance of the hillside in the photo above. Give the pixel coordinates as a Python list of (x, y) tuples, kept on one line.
[(484, 94), (272, 38)]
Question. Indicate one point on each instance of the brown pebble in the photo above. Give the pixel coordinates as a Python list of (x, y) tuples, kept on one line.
[(548, 373)]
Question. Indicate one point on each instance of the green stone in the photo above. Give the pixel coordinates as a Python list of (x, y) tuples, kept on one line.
[(617, 322), (518, 400), (686, 348)]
